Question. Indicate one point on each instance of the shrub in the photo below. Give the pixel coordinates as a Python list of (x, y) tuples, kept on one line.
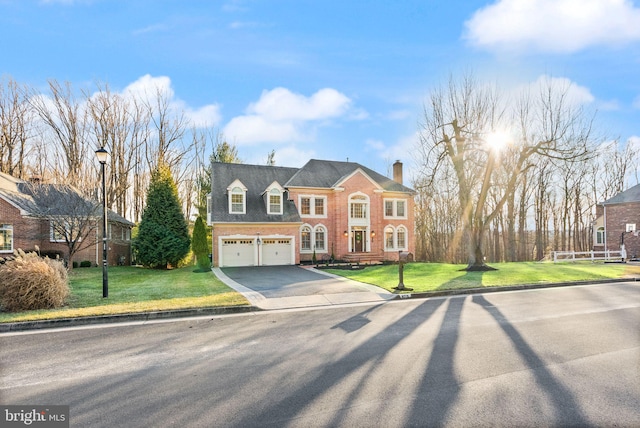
[(75, 265), (29, 282), (85, 263)]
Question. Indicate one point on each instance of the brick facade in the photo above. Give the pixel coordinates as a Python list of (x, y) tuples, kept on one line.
[(615, 218), (29, 232), (341, 230)]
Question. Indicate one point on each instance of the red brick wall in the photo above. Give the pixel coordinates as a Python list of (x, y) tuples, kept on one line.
[(29, 232), (617, 217), (336, 221)]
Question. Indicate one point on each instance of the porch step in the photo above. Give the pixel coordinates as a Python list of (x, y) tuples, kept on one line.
[(364, 258)]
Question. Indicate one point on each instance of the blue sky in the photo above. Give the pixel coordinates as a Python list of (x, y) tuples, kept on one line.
[(327, 79)]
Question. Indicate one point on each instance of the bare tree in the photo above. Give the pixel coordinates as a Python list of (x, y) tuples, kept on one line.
[(16, 121), (119, 125), (73, 219), (460, 121), (66, 121)]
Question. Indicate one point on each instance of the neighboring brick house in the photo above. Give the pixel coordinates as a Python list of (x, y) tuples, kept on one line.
[(268, 215), (22, 226), (618, 222)]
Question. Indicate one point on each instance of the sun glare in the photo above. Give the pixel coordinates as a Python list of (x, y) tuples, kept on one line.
[(498, 140)]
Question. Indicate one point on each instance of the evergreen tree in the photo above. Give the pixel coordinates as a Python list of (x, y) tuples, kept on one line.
[(163, 236), (199, 244)]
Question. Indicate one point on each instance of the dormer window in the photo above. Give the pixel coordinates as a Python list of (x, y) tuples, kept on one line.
[(273, 198), (237, 201), (275, 201), (237, 198)]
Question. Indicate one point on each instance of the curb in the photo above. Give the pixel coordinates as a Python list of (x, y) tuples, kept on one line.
[(466, 291), (137, 316)]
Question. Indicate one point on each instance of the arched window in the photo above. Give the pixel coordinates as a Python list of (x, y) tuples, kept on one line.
[(600, 236), (320, 243), (388, 238), (305, 238), (401, 238)]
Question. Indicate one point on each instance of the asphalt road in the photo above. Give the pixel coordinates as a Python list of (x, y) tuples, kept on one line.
[(557, 357)]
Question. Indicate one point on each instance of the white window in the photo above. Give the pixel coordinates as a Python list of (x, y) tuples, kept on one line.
[(68, 231), (209, 208), (388, 238), (313, 238), (6, 238), (305, 238), (275, 201), (600, 236), (395, 239), (358, 207), (313, 206), (237, 201), (395, 208), (631, 227), (320, 238), (401, 238), (58, 231)]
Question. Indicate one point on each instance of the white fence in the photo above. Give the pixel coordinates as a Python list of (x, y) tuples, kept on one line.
[(573, 256)]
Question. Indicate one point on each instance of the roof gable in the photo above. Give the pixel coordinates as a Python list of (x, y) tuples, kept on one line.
[(330, 174), (343, 180), (630, 195)]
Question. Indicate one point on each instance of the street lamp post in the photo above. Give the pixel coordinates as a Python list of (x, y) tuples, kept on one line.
[(103, 156)]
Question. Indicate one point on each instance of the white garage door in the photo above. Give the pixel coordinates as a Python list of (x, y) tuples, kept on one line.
[(237, 252), (276, 252)]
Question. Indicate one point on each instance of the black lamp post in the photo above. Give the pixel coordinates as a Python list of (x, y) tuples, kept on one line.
[(103, 156)]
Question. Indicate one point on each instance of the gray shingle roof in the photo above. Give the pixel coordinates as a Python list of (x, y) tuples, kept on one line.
[(327, 174), (630, 195), (257, 178), (54, 200)]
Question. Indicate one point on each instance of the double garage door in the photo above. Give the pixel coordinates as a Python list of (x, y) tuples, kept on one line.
[(242, 252)]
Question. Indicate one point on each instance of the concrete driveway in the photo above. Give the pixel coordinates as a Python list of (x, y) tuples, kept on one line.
[(278, 287)]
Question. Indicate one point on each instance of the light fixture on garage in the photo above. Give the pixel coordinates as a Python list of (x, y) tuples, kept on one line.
[(346, 233), (373, 233), (258, 241)]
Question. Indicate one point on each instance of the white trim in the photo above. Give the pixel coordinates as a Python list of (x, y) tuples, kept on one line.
[(8, 227), (312, 239), (312, 206), (356, 171), (394, 215)]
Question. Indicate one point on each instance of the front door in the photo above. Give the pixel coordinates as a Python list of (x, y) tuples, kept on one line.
[(358, 241)]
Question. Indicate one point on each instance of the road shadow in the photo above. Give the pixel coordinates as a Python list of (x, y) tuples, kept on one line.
[(567, 411), (370, 354)]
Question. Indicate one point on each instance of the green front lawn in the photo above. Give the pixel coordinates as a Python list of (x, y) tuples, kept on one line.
[(134, 289), (424, 277)]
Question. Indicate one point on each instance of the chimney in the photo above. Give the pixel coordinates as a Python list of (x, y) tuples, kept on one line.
[(397, 172)]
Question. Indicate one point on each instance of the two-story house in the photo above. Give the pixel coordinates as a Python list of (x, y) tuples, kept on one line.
[(269, 215)]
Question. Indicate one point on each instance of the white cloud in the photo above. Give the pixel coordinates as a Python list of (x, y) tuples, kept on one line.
[(282, 104), (150, 88), (247, 130), (559, 26), (281, 116), (575, 95), (376, 145)]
